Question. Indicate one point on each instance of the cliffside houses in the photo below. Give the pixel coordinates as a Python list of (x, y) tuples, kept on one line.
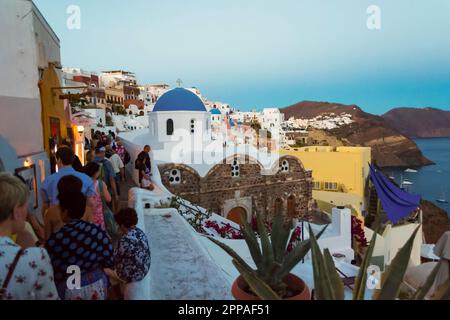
[(324, 122)]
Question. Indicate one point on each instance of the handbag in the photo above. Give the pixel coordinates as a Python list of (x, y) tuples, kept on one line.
[(112, 228), (9, 275)]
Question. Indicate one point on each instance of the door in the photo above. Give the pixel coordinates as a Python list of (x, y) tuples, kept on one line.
[(237, 214)]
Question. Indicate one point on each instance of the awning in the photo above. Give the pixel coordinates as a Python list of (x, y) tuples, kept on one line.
[(396, 202)]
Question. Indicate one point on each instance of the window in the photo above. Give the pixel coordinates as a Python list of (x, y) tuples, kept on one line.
[(285, 166), (175, 177), (192, 126), (316, 185), (235, 169), (291, 207), (169, 127), (41, 73), (331, 186), (278, 206)]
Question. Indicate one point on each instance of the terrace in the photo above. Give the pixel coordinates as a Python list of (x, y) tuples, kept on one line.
[(186, 265)]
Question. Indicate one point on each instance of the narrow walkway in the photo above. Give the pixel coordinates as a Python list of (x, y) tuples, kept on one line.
[(181, 269), (125, 186)]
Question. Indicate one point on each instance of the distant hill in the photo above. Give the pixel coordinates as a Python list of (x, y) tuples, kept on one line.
[(390, 148), (419, 123), (312, 109)]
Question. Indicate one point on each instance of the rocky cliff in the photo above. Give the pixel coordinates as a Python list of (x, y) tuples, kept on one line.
[(419, 123), (435, 221), (390, 148)]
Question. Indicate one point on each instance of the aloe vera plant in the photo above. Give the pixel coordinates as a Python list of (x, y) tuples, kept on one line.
[(328, 285), (273, 262)]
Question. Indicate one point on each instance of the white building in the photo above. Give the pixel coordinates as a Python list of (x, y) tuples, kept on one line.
[(224, 108), (98, 115), (245, 117), (217, 117), (115, 78), (271, 119), (27, 48), (179, 111)]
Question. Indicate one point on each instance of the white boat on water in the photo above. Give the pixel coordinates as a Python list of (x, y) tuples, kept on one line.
[(405, 182), (442, 199), (411, 170)]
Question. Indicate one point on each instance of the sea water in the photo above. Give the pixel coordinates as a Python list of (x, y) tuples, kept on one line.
[(431, 182)]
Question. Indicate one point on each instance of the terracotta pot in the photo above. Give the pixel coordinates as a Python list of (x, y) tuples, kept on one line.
[(293, 282)]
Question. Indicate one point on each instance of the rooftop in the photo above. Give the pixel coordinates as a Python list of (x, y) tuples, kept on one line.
[(215, 111), (179, 99), (119, 71)]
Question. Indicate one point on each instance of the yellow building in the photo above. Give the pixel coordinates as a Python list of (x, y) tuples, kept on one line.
[(56, 122), (339, 173)]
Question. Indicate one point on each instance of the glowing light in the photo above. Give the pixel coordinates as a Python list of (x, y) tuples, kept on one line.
[(80, 129)]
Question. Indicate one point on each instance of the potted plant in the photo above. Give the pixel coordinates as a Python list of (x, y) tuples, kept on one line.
[(329, 286), (272, 279)]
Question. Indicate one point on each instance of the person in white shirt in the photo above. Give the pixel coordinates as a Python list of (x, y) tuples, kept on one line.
[(24, 274), (118, 166)]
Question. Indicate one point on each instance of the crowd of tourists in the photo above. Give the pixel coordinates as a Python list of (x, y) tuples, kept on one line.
[(87, 248)]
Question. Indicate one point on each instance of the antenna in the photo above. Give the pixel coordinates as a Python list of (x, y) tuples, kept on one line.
[(179, 82)]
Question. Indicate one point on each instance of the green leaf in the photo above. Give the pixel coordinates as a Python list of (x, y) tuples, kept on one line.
[(279, 237), (232, 253), (393, 277), (337, 285), (257, 285), (443, 293), (267, 251), (421, 293), (323, 283), (360, 282), (252, 243), (297, 254)]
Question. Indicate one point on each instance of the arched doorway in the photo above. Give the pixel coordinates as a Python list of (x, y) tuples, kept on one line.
[(291, 207), (237, 214), (278, 206)]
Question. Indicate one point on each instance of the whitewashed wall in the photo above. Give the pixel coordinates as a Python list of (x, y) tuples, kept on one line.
[(28, 43)]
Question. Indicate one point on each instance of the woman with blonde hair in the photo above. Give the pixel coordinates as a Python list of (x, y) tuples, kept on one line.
[(24, 274)]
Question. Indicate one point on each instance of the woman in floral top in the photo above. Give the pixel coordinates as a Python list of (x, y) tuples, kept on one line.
[(132, 256), (32, 278)]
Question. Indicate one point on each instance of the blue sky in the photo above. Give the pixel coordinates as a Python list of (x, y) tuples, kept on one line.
[(257, 53)]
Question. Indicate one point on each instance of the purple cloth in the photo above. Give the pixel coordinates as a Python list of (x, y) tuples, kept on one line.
[(396, 202)]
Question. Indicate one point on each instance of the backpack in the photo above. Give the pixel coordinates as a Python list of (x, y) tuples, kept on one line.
[(103, 174), (126, 158), (136, 164)]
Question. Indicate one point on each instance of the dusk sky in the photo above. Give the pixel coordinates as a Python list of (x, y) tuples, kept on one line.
[(255, 53)]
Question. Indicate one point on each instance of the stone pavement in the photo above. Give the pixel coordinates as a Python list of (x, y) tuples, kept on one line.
[(124, 187)]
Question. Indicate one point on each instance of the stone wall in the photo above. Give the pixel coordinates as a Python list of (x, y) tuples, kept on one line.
[(292, 190)]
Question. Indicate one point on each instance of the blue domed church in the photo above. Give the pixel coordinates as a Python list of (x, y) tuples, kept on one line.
[(179, 112)]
